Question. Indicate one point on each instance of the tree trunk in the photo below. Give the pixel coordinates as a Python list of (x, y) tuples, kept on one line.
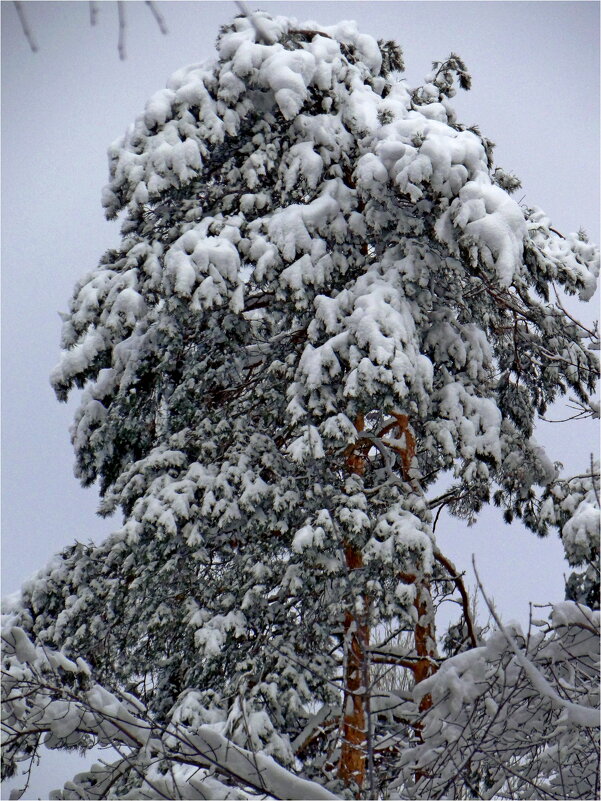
[(425, 640), (425, 647), (353, 754), (352, 766)]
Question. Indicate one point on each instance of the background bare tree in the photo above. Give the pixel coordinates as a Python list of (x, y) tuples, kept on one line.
[(94, 10)]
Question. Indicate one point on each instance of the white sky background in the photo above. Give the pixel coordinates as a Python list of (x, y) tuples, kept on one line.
[(535, 93)]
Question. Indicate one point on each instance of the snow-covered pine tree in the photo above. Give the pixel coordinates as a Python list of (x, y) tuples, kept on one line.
[(324, 299)]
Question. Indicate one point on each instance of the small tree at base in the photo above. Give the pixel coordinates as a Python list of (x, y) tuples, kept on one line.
[(324, 299)]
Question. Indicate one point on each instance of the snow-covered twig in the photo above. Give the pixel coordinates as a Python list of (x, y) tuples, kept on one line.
[(262, 33), (576, 713)]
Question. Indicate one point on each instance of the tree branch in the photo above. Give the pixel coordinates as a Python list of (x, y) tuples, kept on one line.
[(465, 601), (577, 714), (122, 26), (160, 19), (19, 6)]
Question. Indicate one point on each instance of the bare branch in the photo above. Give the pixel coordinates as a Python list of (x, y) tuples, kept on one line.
[(591, 332), (465, 601), (20, 9), (160, 19), (122, 26)]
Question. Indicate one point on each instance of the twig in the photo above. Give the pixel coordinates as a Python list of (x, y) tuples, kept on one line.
[(443, 499), (577, 713), (407, 662), (122, 25), (591, 332), (438, 513), (557, 357), (25, 25), (256, 23), (34, 758), (160, 19), (465, 601), (580, 416), (593, 477)]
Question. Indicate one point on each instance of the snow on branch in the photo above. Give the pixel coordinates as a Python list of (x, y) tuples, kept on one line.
[(576, 713), (497, 728), (262, 32)]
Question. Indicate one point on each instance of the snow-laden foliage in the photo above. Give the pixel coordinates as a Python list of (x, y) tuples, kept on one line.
[(325, 297), (573, 505)]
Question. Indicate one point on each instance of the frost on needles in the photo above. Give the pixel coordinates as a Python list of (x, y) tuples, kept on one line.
[(325, 298)]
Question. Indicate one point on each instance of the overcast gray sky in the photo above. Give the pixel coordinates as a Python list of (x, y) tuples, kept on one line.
[(535, 93)]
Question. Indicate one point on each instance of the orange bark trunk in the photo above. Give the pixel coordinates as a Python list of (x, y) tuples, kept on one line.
[(352, 766), (425, 641), (353, 754), (425, 647)]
